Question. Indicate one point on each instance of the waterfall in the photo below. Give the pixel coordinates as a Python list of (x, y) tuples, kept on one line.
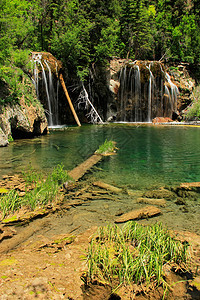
[(174, 92), (145, 92), (52, 100)]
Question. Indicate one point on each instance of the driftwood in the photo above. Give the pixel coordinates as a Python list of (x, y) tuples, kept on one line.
[(142, 213), (107, 187)]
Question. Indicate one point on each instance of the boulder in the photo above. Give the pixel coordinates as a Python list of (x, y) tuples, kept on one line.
[(142, 213), (21, 120)]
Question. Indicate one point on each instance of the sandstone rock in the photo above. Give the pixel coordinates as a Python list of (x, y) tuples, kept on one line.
[(161, 120), (142, 213), (114, 86)]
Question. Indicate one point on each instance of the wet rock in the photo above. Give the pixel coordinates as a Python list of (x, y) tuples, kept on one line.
[(180, 201), (185, 209), (142, 213), (153, 201), (161, 120), (190, 195), (160, 194)]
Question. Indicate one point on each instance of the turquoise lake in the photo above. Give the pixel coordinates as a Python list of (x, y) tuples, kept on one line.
[(149, 157)]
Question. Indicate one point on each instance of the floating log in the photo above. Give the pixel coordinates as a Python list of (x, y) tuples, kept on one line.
[(142, 213), (69, 100), (107, 187)]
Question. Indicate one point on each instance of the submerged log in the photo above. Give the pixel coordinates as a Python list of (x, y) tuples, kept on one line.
[(190, 185), (153, 201), (142, 213), (107, 187), (81, 169)]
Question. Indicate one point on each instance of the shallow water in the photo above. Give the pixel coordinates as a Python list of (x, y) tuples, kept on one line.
[(148, 157)]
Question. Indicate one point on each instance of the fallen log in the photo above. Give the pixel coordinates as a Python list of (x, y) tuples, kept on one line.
[(190, 185), (107, 187), (81, 169), (68, 99), (153, 201), (142, 213)]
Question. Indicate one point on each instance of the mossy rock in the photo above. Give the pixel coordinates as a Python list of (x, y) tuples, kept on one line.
[(185, 194), (160, 194)]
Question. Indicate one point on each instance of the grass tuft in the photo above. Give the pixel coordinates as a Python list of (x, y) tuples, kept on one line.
[(106, 147), (40, 190), (133, 254)]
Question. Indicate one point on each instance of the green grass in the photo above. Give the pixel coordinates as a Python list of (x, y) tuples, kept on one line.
[(45, 189), (107, 147), (133, 254)]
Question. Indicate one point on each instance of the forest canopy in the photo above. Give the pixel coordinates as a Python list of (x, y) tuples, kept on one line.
[(83, 32)]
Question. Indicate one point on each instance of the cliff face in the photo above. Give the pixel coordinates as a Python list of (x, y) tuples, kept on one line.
[(22, 120), (161, 102)]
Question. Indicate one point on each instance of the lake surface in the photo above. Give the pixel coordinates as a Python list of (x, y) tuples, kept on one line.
[(149, 157)]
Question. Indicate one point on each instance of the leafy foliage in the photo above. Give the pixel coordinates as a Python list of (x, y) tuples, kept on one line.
[(84, 33)]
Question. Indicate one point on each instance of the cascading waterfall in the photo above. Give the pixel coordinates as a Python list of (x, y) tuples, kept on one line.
[(52, 100), (145, 92)]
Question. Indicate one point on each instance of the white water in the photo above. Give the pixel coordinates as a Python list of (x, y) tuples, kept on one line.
[(52, 100), (142, 101)]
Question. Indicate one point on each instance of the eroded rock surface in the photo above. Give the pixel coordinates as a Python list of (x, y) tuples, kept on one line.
[(21, 121)]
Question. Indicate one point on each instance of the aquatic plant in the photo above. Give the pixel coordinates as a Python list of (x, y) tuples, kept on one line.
[(40, 190), (9, 202), (134, 254), (106, 147)]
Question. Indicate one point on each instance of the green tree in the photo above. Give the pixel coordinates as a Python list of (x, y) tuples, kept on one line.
[(135, 29)]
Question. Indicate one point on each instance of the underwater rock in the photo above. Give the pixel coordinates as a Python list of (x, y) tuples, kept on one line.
[(159, 202), (160, 194), (142, 213)]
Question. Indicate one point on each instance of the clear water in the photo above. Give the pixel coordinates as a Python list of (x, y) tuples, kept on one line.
[(148, 157)]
